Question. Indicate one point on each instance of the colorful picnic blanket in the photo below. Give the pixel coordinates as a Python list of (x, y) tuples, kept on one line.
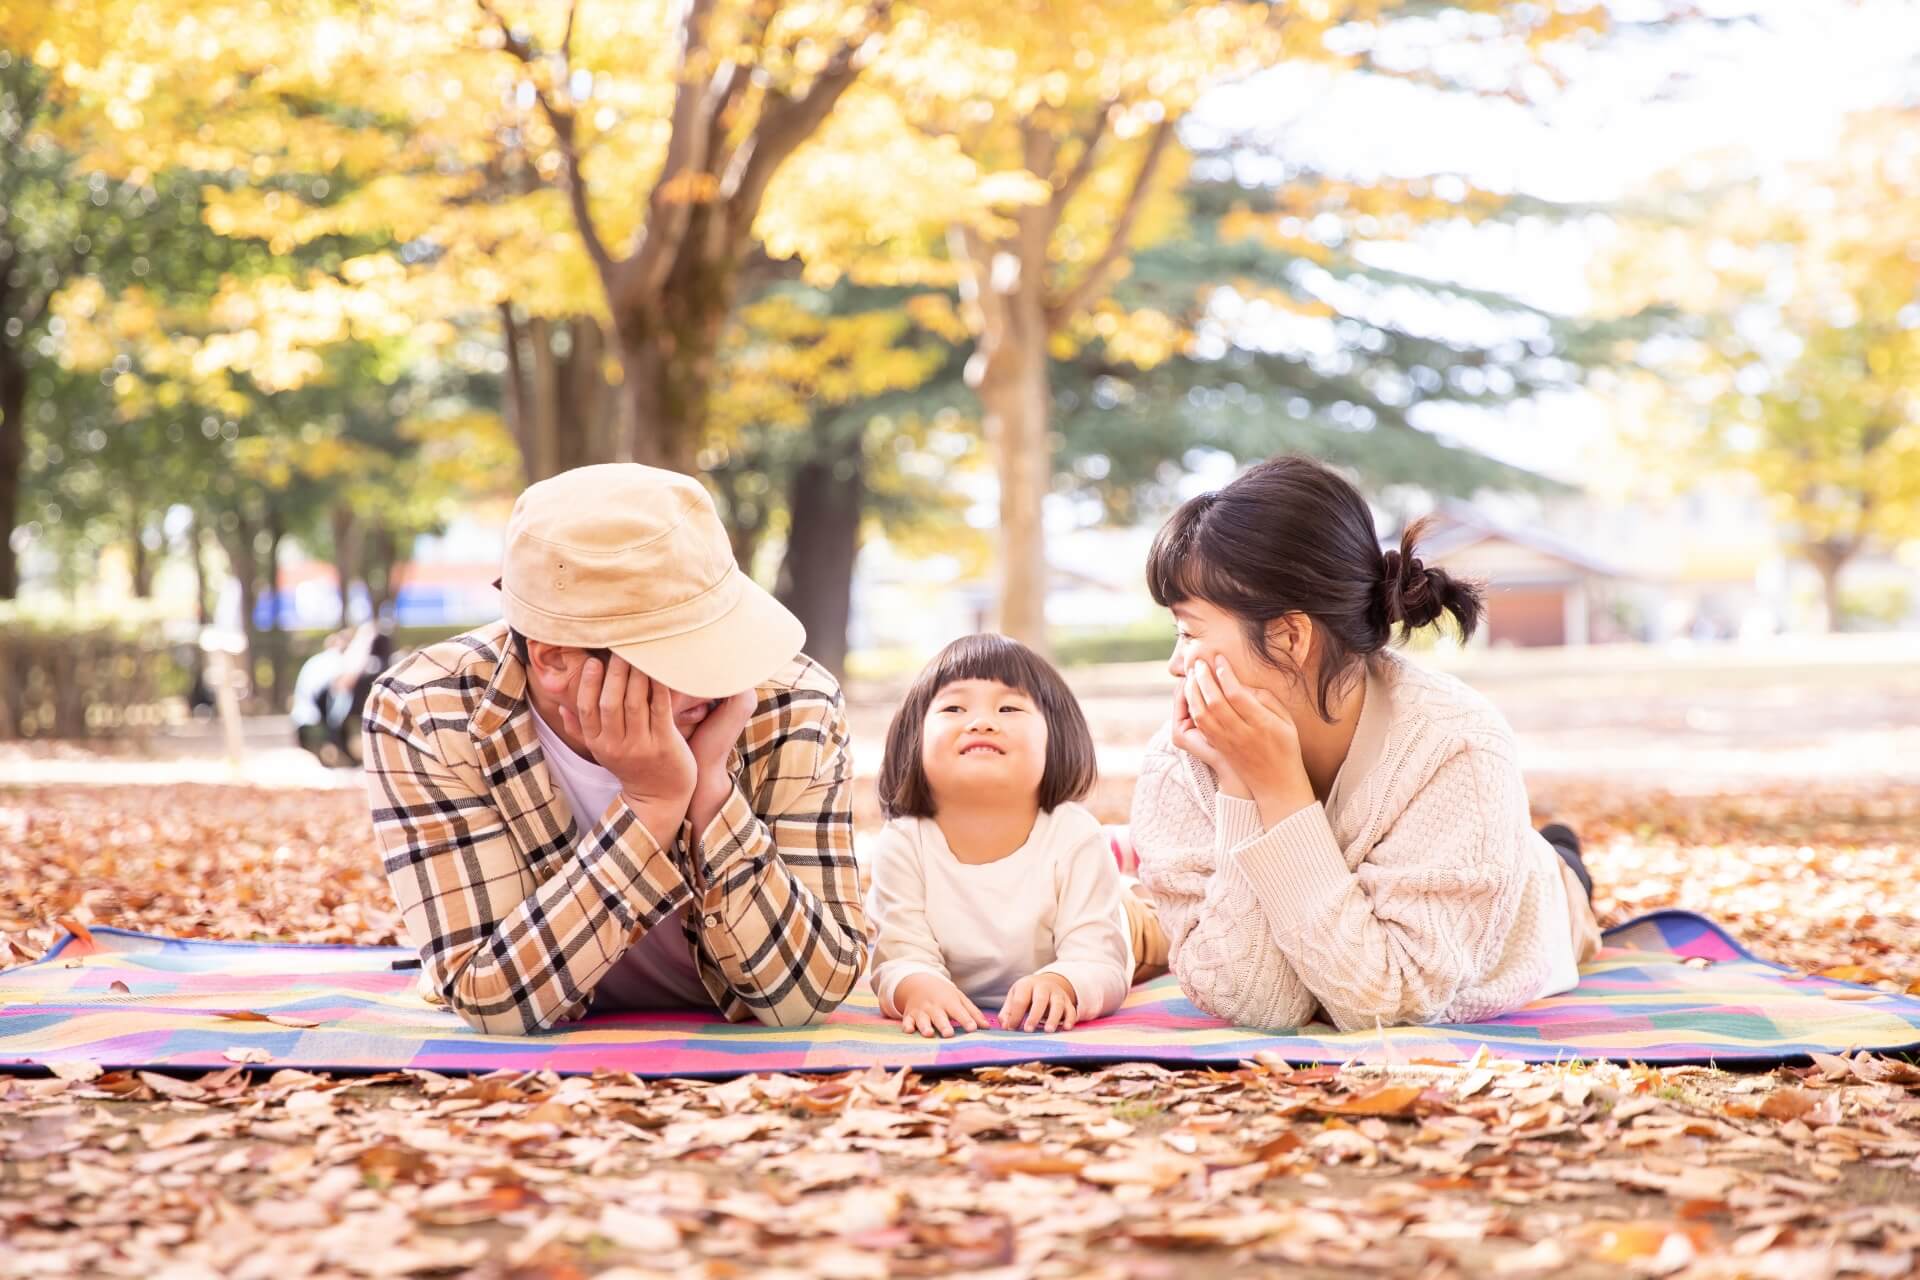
[(1669, 987)]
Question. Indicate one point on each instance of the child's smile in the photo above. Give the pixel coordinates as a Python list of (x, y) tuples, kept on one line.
[(981, 733)]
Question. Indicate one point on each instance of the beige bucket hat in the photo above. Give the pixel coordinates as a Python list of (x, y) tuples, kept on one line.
[(635, 559)]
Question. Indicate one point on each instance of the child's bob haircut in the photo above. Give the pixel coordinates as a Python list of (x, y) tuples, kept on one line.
[(1070, 772)]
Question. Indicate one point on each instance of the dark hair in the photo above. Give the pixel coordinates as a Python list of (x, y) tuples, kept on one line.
[(1070, 771), (1292, 536)]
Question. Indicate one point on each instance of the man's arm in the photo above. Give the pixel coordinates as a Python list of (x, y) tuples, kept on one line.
[(509, 955), (777, 898)]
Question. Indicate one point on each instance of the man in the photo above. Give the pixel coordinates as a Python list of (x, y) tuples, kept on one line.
[(630, 793)]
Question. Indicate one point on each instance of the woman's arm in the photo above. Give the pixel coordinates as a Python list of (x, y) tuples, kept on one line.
[(1227, 962), (1394, 941)]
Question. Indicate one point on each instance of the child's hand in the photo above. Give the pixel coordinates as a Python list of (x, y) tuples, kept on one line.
[(933, 1006), (1044, 1000)]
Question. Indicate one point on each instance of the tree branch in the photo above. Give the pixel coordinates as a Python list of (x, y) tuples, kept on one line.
[(670, 202), (562, 124), (566, 41), (786, 122), (1064, 190), (1069, 303)]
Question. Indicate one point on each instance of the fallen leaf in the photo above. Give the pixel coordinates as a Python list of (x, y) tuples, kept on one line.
[(1547, 1255), (83, 941), (1677, 1243), (999, 1159), (1788, 1104), (390, 1162), (170, 1087), (1219, 1231), (278, 1019), (1852, 973), (1151, 1167), (632, 1229), (119, 988), (248, 1055), (75, 1069), (1393, 1100), (553, 1112), (1832, 1066), (1473, 1083)]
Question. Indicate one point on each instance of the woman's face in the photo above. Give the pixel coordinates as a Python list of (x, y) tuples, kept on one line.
[(1206, 632)]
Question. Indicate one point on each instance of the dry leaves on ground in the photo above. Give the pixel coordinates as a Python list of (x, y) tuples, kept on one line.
[(1485, 1168)]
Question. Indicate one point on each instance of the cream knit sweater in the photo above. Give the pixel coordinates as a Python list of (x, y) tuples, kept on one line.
[(1419, 892)]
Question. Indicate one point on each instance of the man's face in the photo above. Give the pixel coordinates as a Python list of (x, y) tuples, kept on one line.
[(556, 670)]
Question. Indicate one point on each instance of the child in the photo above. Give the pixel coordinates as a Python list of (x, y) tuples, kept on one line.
[(990, 885)]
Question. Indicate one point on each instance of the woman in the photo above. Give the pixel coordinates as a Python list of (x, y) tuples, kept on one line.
[(1324, 824)]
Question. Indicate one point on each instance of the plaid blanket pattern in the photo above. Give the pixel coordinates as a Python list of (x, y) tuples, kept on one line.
[(1668, 988)]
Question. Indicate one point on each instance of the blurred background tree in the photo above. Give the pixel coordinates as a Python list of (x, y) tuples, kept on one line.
[(1789, 336), (817, 253)]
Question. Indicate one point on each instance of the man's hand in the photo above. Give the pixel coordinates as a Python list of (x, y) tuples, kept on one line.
[(710, 742), (626, 721), (1040, 1002), (1256, 737), (932, 1006)]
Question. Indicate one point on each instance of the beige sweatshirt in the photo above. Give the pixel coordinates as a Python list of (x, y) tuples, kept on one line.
[(1419, 892), (1051, 906)]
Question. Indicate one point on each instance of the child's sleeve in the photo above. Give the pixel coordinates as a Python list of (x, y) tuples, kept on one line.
[(1089, 940), (904, 942)]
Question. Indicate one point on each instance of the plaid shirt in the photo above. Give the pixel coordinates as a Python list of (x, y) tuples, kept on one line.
[(519, 907)]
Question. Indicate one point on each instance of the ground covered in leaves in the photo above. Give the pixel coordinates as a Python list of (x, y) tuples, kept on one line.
[(1488, 1169)]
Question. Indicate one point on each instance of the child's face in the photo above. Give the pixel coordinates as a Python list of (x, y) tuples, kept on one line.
[(982, 737)]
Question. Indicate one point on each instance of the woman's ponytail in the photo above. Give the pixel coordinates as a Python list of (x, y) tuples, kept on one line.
[(1414, 595)]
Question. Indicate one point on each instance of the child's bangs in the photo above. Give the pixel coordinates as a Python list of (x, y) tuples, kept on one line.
[(988, 657)]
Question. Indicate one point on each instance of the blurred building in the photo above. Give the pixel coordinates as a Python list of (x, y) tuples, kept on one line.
[(1541, 589)]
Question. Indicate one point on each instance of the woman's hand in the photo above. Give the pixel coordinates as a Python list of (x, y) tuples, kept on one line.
[(1188, 737), (1040, 1002), (1255, 736), (932, 1006)]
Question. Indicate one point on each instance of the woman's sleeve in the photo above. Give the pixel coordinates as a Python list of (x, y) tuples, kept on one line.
[(1090, 943), (1394, 941), (1220, 949), (904, 941)]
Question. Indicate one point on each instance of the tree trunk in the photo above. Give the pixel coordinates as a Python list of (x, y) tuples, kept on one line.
[(1828, 559), (668, 344), (202, 609), (346, 553), (560, 406), (243, 561), (581, 434), (743, 514), (13, 457), (278, 656), (1016, 398), (197, 550), (141, 561), (663, 400), (378, 570), (827, 498)]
